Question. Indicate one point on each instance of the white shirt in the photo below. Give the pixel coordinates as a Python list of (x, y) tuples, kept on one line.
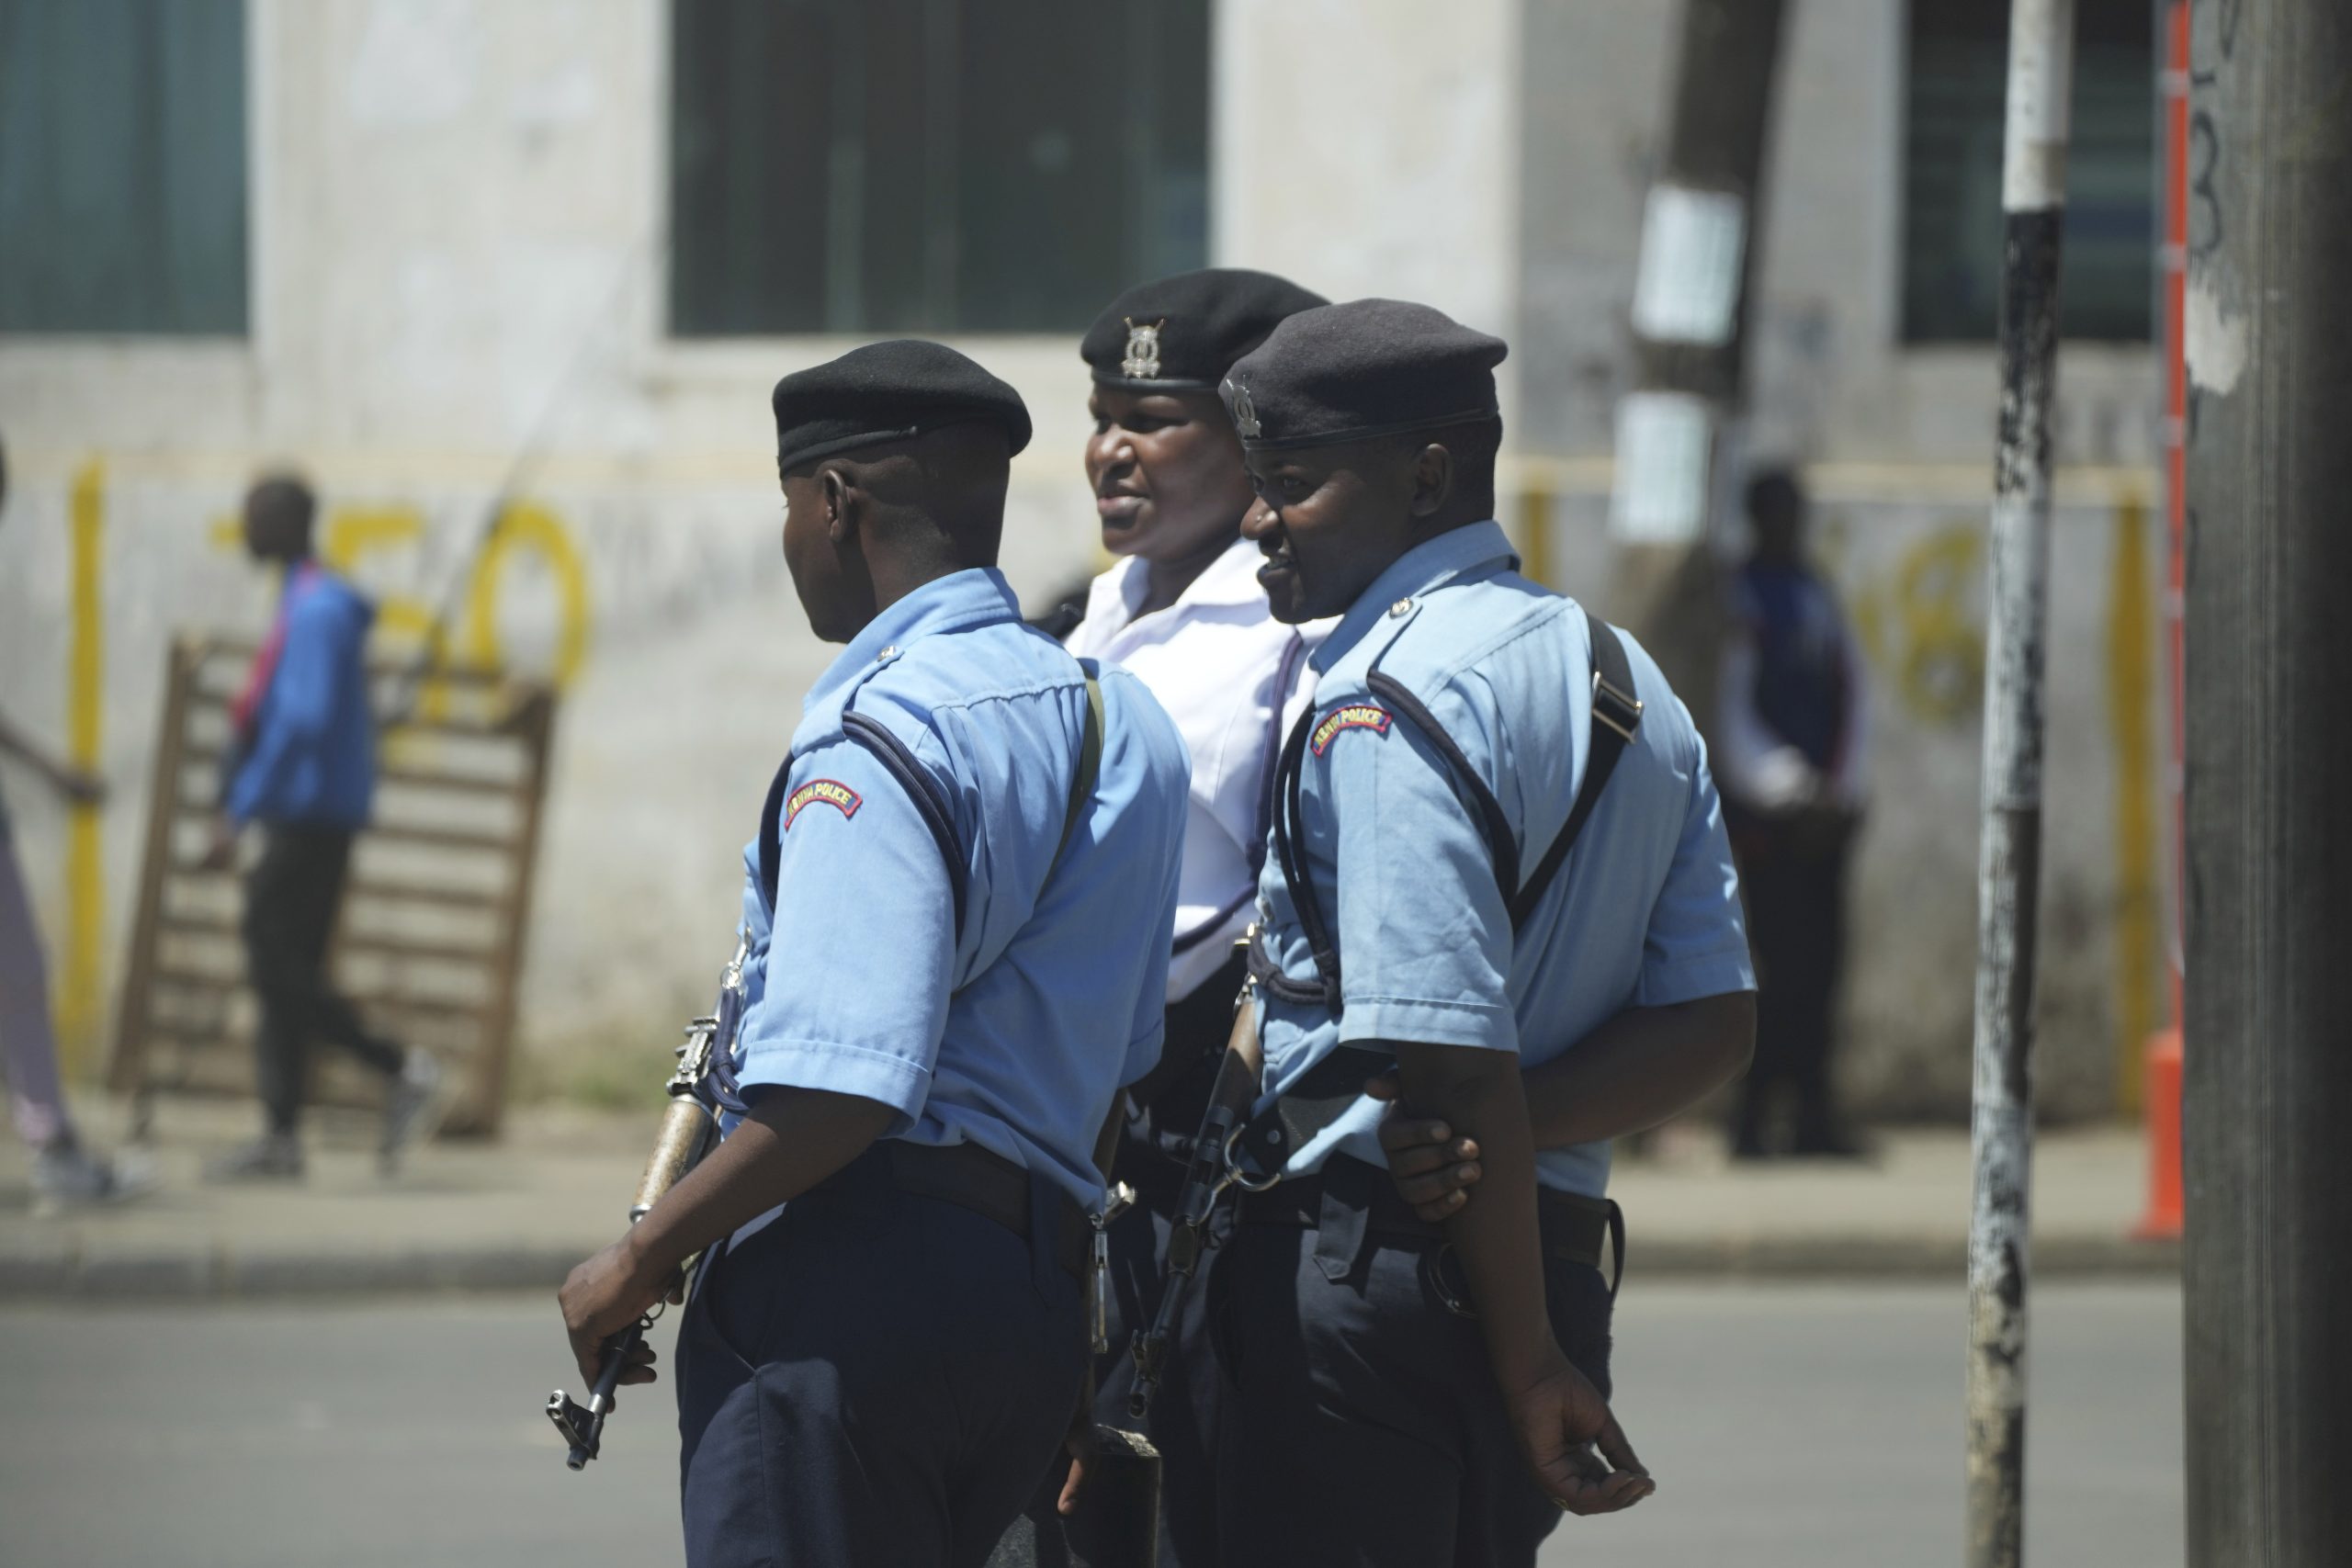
[(1234, 679)]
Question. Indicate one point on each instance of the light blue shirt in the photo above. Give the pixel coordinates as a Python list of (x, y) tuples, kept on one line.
[(1645, 913), (1016, 1036)]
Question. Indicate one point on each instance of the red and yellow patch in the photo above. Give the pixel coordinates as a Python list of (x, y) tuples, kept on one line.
[(826, 791), (1354, 716)]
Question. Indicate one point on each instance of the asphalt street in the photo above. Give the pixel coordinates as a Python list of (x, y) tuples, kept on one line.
[(1816, 1426)]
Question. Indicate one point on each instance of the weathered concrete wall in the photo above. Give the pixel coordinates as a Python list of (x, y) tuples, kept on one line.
[(1832, 382), (457, 257)]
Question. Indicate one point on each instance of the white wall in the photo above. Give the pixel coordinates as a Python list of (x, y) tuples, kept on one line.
[(1370, 147)]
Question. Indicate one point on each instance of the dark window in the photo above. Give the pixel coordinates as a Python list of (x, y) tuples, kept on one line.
[(933, 165), (122, 166), (1952, 226)]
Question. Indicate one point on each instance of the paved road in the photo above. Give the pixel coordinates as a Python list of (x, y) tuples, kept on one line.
[(1813, 1426)]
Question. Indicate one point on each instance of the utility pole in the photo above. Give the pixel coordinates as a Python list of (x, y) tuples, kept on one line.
[(2268, 1089), (1690, 321), (2008, 867)]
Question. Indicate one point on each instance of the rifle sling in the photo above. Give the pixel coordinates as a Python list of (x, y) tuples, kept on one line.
[(1325, 1091)]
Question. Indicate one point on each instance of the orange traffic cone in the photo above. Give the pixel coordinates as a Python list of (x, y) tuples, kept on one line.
[(2161, 1222)]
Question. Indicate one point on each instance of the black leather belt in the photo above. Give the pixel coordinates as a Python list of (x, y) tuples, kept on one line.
[(972, 1178), (1574, 1227)]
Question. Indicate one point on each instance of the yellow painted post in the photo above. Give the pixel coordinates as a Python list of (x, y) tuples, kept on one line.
[(2130, 677), (78, 1001), (1535, 527)]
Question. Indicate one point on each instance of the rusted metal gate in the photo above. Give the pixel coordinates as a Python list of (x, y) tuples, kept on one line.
[(429, 943)]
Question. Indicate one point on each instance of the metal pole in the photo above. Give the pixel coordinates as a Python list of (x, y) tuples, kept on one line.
[(2033, 173), (2267, 1259)]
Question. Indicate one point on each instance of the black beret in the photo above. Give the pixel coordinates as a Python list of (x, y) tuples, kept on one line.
[(889, 391), (1182, 334), (1368, 367)]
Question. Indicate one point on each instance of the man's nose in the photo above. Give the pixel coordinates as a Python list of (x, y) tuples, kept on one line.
[(1260, 520)]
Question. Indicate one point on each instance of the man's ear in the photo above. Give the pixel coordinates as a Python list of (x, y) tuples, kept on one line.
[(1432, 481), (840, 519)]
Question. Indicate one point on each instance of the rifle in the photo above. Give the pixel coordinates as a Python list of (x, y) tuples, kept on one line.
[(689, 1131), (1210, 1171)]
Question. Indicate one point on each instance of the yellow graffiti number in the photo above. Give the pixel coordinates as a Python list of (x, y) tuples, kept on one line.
[(353, 534), (1939, 656), (526, 525)]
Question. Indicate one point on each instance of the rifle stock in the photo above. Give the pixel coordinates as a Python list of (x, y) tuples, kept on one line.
[(689, 1131), (1231, 1096), (687, 1134)]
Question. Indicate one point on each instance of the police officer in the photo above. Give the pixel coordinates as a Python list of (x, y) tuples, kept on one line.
[(1482, 852), (1183, 610), (959, 955)]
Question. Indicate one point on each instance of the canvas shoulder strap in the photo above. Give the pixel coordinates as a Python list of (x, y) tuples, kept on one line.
[(930, 802), (1616, 719), (1090, 762)]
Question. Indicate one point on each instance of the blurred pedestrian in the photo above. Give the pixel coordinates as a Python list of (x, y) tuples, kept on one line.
[(1790, 752), (66, 1172), (1181, 609), (302, 764)]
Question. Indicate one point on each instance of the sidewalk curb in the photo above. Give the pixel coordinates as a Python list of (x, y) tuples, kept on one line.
[(1849, 1256), (198, 1274), (61, 1271)]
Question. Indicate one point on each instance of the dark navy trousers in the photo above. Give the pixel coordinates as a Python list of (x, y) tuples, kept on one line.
[(1182, 1424), (1361, 1425), (876, 1377)]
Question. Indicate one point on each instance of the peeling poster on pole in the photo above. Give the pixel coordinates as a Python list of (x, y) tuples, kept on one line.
[(1662, 447), (1687, 290)]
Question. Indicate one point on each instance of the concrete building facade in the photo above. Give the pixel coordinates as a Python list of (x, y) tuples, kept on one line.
[(458, 270)]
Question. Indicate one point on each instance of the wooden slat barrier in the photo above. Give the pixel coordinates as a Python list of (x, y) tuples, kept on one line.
[(442, 878)]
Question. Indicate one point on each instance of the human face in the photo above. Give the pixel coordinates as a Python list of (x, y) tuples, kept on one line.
[(1166, 472), (1328, 520), (270, 534), (828, 571)]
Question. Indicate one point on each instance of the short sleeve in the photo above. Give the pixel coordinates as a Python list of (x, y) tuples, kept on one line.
[(862, 944), (1697, 942), (1425, 941), (754, 931)]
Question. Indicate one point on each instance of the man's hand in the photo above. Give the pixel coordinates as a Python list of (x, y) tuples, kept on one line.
[(1431, 1168), (221, 852), (604, 1296), (1079, 1441), (1560, 1419)]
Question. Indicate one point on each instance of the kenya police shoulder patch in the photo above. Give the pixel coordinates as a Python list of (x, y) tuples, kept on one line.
[(1354, 716), (827, 792)]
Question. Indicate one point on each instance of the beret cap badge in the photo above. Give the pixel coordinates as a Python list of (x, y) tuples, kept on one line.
[(1218, 314), (1142, 362), (1245, 413), (1366, 370)]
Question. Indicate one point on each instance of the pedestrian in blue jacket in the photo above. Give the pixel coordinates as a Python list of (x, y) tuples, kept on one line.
[(302, 764)]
